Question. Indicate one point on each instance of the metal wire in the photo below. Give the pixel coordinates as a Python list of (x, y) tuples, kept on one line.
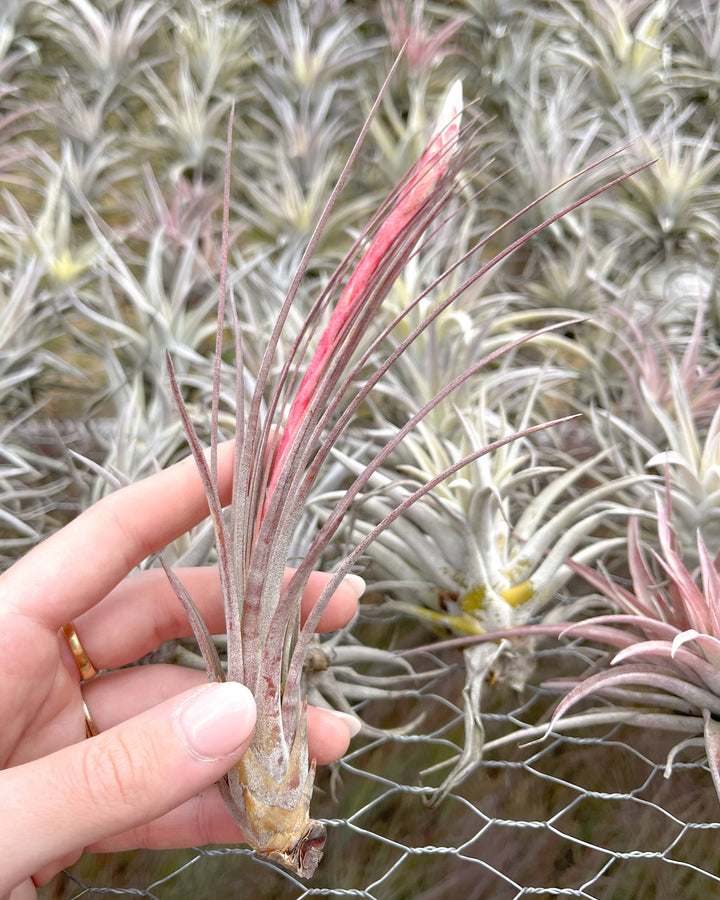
[(589, 815)]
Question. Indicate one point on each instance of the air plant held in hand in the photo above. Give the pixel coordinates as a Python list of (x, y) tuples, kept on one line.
[(269, 791)]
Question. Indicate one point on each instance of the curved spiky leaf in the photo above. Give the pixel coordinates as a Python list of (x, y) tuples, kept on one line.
[(640, 675), (689, 664), (708, 644)]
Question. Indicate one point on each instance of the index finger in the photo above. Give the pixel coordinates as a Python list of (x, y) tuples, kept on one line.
[(69, 572)]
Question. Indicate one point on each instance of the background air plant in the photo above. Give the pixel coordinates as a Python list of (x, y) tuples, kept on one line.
[(675, 428), (665, 627), (491, 550), (667, 631)]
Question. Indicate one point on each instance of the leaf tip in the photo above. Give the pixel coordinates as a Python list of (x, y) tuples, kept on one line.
[(448, 123)]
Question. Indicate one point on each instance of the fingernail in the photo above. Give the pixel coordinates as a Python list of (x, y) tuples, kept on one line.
[(356, 583), (352, 723), (217, 719)]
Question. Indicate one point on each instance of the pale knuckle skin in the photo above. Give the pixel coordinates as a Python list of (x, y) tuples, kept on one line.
[(120, 774)]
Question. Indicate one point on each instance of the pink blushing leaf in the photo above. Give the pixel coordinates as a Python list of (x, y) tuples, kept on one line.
[(688, 602), (683, 638), (435, 160), (600, 633), (629, 699), (690, 607), (688, 663), (709, 645), (651, 628), (621, 597), (647, 600), (427, 173), (642, 675)]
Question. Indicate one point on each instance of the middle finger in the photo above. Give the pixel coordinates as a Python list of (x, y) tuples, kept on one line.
[(142, 612), (116, 696)]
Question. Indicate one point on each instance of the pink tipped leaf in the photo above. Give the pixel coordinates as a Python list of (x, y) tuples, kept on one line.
[(689, 604), (647, 601), (709, 645), (637, 674), (689, 664), (428, 171)]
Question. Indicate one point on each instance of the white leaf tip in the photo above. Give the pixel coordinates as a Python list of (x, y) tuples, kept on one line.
[(450, 112)]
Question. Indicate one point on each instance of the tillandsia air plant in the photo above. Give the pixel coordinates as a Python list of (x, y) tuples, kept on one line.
[(667, 632), (293, 426), (490, 550), (665, 626), (676, 427)]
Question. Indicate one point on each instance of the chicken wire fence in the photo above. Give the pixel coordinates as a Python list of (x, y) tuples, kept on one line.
[(617, 812)]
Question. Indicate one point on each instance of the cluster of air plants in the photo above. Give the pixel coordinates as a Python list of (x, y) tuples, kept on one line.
[(664, 627), (112, 119)]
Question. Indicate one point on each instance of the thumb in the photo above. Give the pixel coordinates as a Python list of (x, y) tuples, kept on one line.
[(121, 778)]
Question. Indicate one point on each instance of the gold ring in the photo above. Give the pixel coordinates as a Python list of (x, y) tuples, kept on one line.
[(86, 669), (91, 728)]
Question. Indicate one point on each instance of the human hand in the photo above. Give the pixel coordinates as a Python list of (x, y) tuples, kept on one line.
[(165, 734)]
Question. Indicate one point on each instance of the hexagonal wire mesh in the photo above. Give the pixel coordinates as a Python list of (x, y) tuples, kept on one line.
[(574, 816)]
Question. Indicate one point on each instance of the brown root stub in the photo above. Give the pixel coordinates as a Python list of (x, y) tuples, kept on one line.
[(304, 857)]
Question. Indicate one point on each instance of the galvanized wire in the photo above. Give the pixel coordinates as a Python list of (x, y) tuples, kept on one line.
[(589, 815)]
